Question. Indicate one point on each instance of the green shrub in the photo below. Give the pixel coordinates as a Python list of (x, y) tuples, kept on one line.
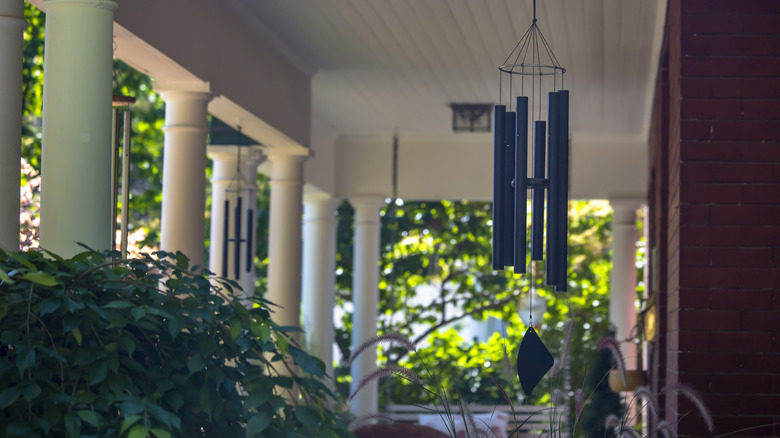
[(96, 347)]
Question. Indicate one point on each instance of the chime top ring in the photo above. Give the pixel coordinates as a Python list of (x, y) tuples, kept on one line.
[(535, 69)]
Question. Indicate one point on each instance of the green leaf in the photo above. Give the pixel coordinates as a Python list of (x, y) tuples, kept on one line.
[(138, 431), (159, 433), (22, 260), (48, 305), (307, 415), (281, 343), (76, 335), (41, 278), (9, 396), (258, 423), (25, 358), (235, 327), (117, 304), (99, 374), (6, 279), (129, 421), (31, 391), (196, 363), (138, 313), (256, 399), (131, 407), (90, 417), (72, 425), (308, 363)]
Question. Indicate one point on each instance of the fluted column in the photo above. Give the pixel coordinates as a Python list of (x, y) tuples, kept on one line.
[(12, 26), (319, 276), (284, 237), (365, 297), (622, 294), (76, 156), (229, 181), (184, 170)]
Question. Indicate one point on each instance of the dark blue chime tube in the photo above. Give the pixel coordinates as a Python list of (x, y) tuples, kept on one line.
[(499, 118), (553, 190), (509, 192), (537, 208), (250, 228), (521, 184), (225, 227), (562, 226), (237, 242)]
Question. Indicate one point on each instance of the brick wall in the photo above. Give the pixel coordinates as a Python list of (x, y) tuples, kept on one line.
[(723, 212)]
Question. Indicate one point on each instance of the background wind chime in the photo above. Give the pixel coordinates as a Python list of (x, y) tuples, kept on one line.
[(237, 187), (530, 70), (121, 128)]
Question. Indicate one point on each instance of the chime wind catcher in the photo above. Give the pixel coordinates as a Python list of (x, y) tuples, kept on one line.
[(531, 70)]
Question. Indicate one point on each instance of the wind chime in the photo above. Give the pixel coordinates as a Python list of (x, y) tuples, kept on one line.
[(121, 116), (530, 70), (238, 186)]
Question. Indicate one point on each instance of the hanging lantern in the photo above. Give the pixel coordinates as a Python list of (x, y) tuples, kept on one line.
[(530, 70)]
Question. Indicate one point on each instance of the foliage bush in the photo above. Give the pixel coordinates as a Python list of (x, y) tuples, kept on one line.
[(92, 346)]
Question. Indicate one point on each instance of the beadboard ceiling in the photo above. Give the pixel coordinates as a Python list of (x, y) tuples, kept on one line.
[(380, 66)]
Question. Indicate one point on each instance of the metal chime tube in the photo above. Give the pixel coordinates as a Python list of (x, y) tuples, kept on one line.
[(499, 118), (250, 225), (562, 226), (521, 184), (509, 193), (225, 233), (126, 150), (537, 211), (114, 174), (237, 241), (553, 190)]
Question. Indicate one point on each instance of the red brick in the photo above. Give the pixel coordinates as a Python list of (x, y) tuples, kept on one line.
[(695, 172), (762, 24), (760, 235), (690, 6), (757, 426), (729, 87), (761, 194), (741, 257), (744, 130), (767, 109), (710, 151), (709, 362), (742, 172), (757, 66), (693, 341), (761, 404), (743, 214), (709, 277), (764, 152), (741, 299), (695, 256), (711, 235), (743, 6), (708, 320), (741, 341), (760, 278), (710, 193), (711, 109), (731, 45), (761, 320), (695, 214), (690, 298), (709, 66), (710, 24), (738, 383)]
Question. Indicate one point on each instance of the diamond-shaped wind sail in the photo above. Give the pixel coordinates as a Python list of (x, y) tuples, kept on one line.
[(533, 361)]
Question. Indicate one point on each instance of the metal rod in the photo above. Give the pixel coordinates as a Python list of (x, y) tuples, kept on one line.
[(237, 241), (553, 120), (537, 209), (127, 130), (114, 175), (250, 229), (225, 229), (498, 187), (521, 184), (509, 193), (563, 183)]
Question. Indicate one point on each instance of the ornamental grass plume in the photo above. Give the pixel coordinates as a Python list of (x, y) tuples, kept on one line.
[(506, 365), (694, 397), (365, 420), (609, 343), (387, 338), (384, 372), (560, 362), (665, 429), (649, 398)]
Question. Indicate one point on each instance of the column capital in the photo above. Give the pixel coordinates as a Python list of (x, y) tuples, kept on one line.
[(285, 166), (94, 4), (367, 207), (174, 88), (230, 152), (624, 210), (12, 14)]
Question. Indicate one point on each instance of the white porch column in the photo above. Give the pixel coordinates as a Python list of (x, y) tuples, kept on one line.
[(284, 237), (184, 170), (365, 297), (76, 179), (12, 25), (226, 186), (622, 294), (319, 276)]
